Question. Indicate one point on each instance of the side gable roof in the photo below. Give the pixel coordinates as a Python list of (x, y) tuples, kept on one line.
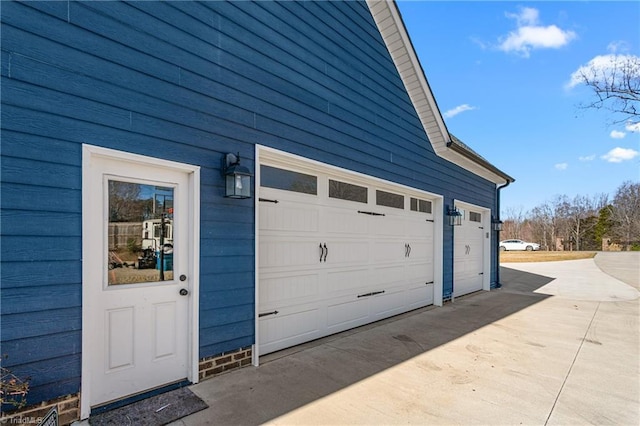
[(395, 35)]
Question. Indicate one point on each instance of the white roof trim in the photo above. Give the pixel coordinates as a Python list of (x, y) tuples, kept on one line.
[(395, 35)]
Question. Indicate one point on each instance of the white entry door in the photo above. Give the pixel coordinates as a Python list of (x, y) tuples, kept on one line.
[(137, 287)]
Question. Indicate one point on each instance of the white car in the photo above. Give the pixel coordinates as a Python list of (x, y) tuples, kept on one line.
[(518, 245)]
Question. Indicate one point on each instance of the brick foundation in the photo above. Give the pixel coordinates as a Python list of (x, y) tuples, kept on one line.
[(68, 412), (217, 364), (69, 406)]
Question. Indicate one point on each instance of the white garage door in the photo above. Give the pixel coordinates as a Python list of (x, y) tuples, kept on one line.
[(468, 252), (337, 252)]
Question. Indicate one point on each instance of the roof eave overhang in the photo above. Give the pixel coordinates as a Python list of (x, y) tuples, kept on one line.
[(394, 33)]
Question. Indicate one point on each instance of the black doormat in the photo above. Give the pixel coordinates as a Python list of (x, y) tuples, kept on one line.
[(155, 411)]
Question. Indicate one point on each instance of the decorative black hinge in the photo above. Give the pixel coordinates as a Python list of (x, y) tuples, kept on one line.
[(266, 200), (267, 314), (371, 213), (371, 294), (430, 282), (430, 220)]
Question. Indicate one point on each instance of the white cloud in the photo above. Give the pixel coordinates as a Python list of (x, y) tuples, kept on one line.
[(618, 46), (561, 166), (601, 67), (618, 155), (587, 158), (632, 127), (457, 110), (616, 134), (527, 16), (530, 35)]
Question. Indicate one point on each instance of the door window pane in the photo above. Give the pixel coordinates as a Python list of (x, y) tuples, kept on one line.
[(347, 191), (475, 217), (418, 205), (389, 199), (140, 233), (272, 177)]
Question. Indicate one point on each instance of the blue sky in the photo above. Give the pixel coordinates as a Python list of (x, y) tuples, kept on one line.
[(501, 73)]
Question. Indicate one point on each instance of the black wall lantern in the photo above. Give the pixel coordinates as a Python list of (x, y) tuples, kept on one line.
[(497, 224), (455, 217), (238, 178)]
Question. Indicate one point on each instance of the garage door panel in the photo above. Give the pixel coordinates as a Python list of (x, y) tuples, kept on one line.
[(346, 313), (351, 252), (467, 285), (390, 226), (290, 253), (419, 271), (419, 250), (344, 222), (388, 304), (345, 281), (418, 229), (384, 277), (420, 296), (289, 217), (468, 255), (393, 250), (282, 290), (286, 329)]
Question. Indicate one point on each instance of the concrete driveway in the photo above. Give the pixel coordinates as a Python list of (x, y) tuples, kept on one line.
[(557, 345)]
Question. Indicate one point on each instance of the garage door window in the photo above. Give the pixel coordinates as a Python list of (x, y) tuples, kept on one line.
[(422, 206), (475, 217), (347, 191), (389, 199), (272, 177)]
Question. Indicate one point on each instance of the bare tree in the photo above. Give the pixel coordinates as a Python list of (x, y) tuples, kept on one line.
[(560, 213), (615, 82), (543, 226), (626, 213), (514, 220), (582, 215)]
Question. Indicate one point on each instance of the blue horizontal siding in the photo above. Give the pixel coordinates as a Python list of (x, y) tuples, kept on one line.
[(54, 376), (40, 348), (39, 323), (188, 82), (34, 273), (19, 300)]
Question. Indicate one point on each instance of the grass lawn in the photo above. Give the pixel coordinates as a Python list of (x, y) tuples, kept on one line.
[(543, 256)]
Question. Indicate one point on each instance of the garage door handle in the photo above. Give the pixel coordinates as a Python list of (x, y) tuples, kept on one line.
[(409, 254), (324, 251)]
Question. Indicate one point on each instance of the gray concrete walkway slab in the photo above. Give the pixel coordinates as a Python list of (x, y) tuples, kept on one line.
[(558, 344)]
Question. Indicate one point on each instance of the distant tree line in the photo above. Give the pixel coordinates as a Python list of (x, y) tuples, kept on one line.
[(581, 223)]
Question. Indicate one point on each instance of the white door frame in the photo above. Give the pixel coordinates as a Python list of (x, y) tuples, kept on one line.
[(88, 197), (486, 246), (263, 152)]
